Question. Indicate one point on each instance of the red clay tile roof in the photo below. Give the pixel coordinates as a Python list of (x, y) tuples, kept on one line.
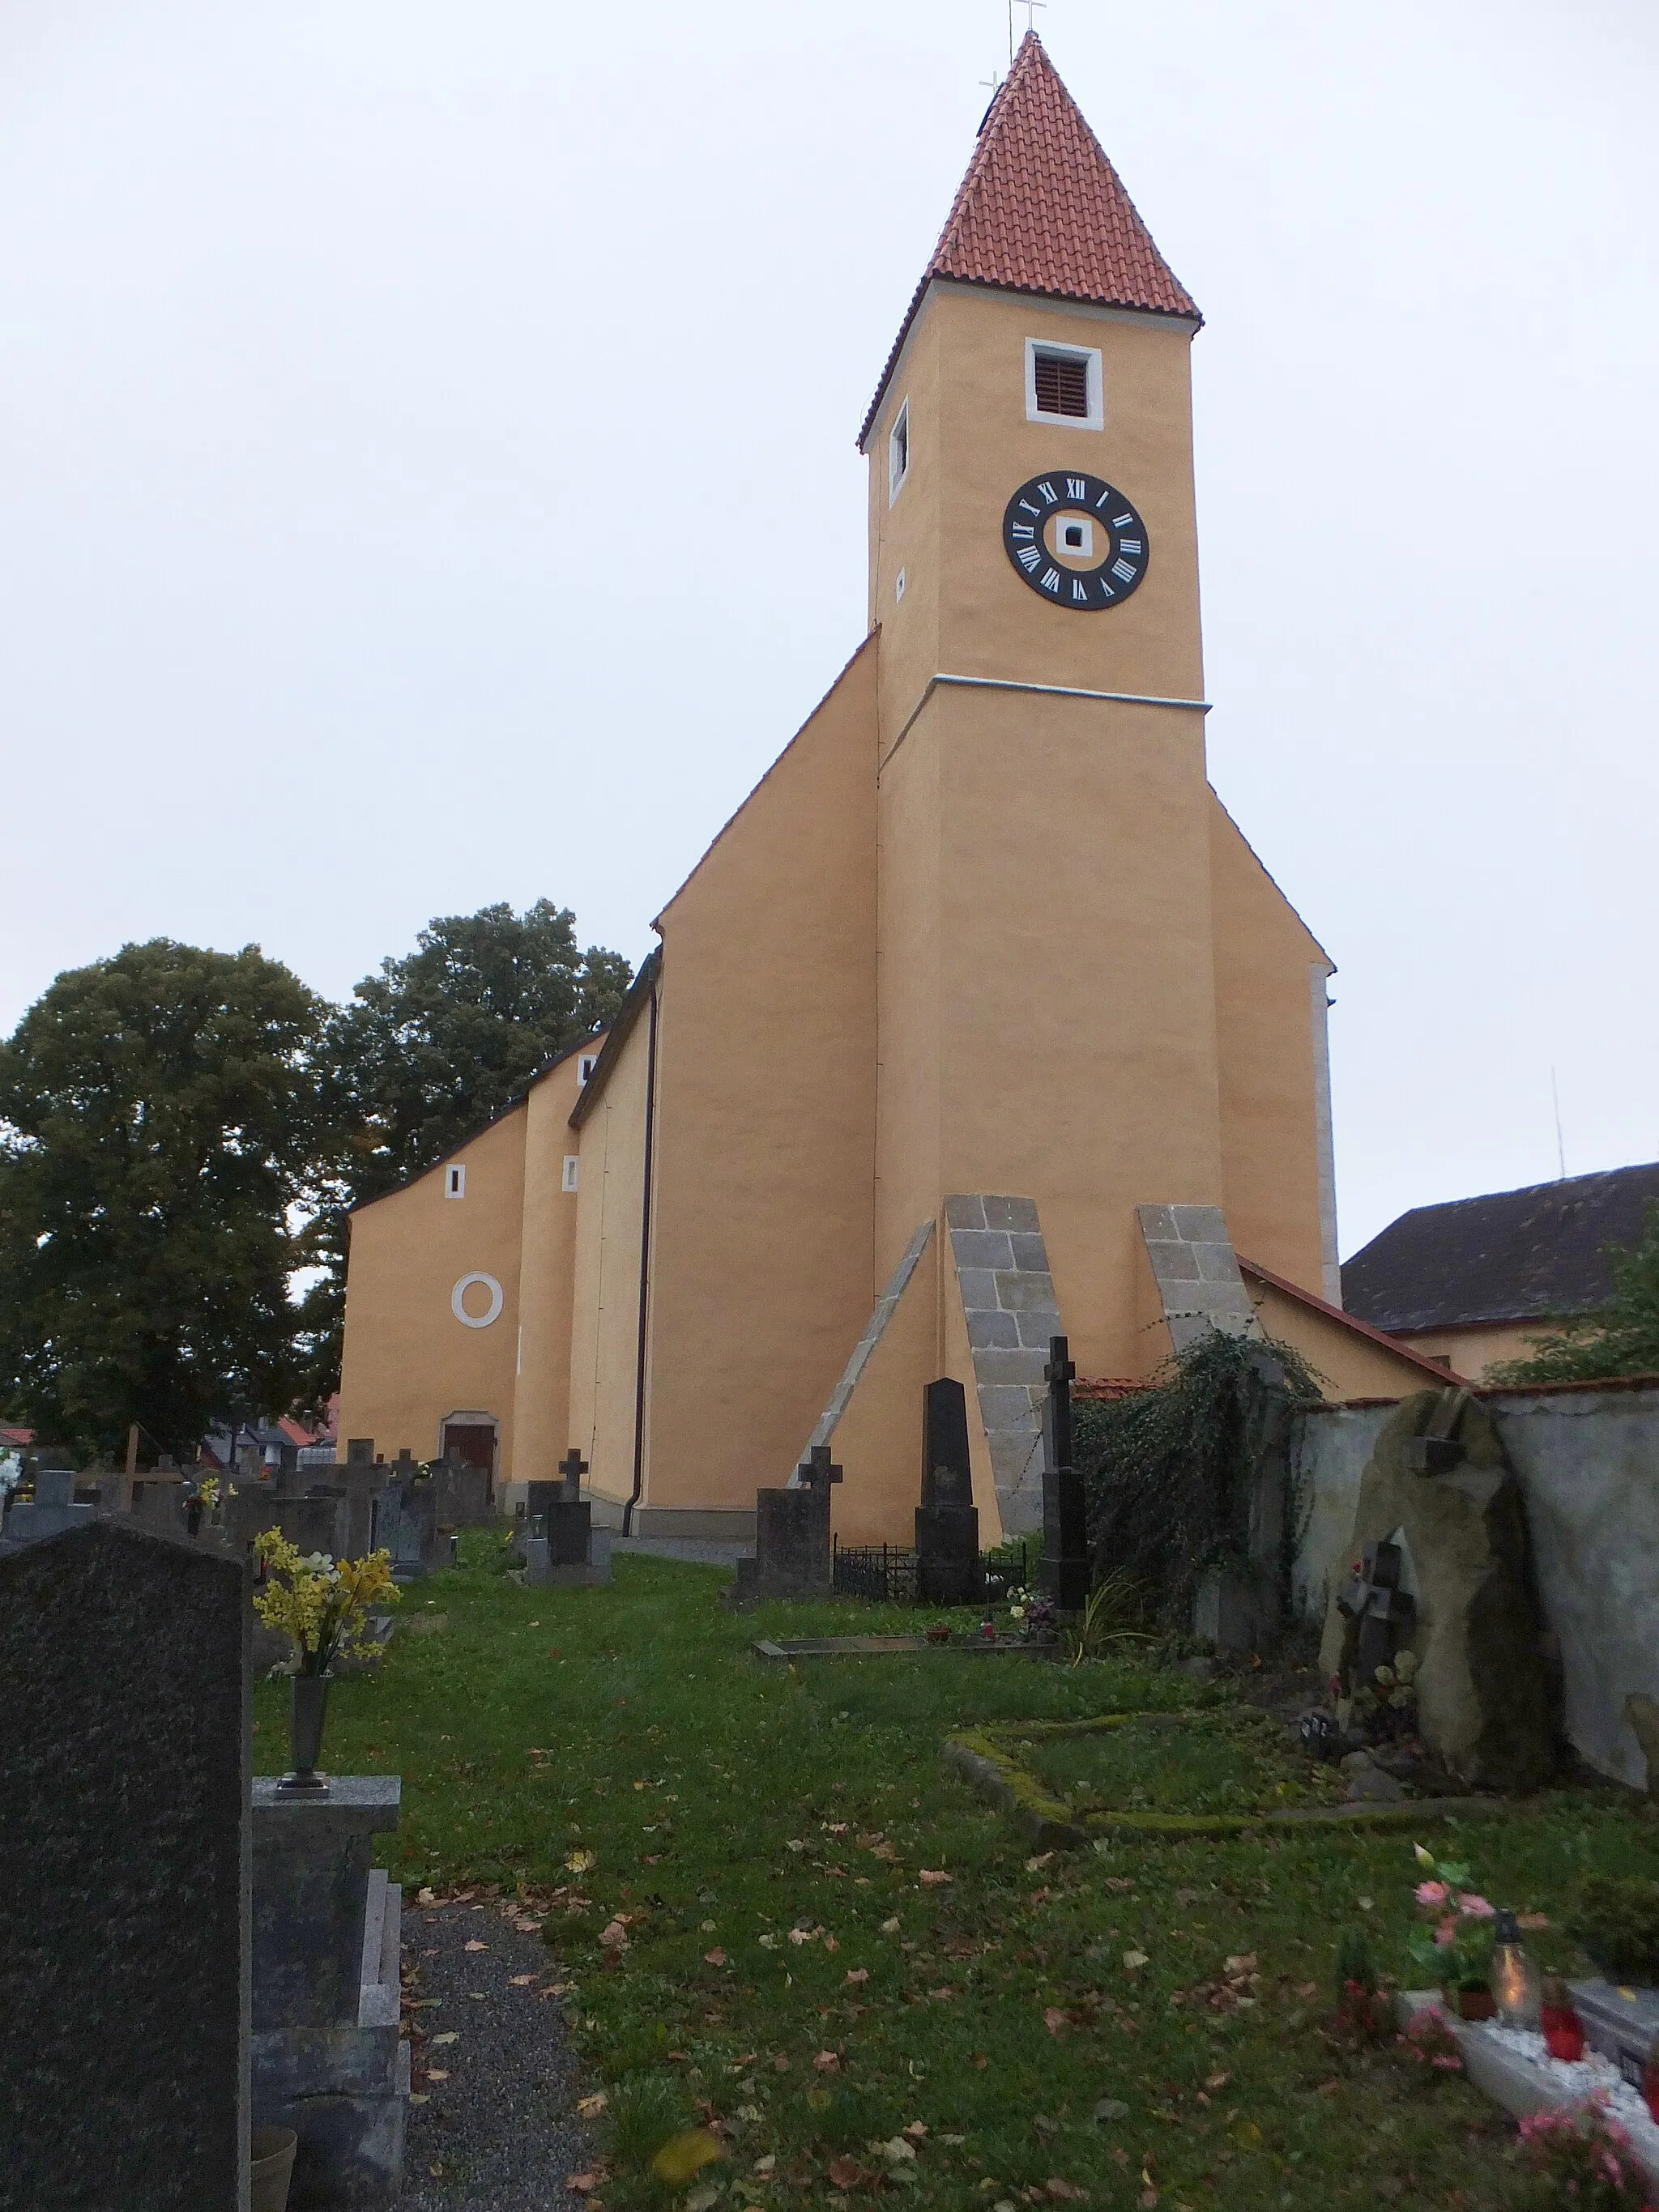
[(1041, 209)]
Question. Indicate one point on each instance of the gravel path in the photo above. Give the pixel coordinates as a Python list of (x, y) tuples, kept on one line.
[(500, 2132)]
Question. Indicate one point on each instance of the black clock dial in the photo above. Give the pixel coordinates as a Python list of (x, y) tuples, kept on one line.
[(1076, 540)]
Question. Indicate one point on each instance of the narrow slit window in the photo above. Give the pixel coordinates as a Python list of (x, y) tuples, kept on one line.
[(455, 1182), (573, 1166), (586, 1066), (1062, 383), (898, 453)]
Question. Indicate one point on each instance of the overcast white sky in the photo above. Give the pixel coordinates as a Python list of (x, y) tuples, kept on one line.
[(349, 353)]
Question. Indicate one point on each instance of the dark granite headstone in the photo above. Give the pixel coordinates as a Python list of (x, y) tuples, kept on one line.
[(463, 1494), (948, 1569), (406, 1522), (123, 1857), (1065, 1571), (792, 1535)]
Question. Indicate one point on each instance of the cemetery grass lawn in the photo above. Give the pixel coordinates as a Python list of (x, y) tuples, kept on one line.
[(727, 1802)]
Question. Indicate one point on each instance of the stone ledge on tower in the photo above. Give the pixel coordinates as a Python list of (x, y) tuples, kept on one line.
[(1008, 1302), (1196, 1273)]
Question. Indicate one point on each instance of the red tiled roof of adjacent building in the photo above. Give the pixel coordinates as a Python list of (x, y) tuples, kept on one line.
[(1041, 209)]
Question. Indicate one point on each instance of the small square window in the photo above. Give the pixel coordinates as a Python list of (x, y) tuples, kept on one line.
[(454, 1182), (1063, 384), (898, 453), (571, 1170), (586, 1066)]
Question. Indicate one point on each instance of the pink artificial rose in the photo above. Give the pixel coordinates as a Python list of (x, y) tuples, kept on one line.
[(1476, 1907), (1431, 1893)]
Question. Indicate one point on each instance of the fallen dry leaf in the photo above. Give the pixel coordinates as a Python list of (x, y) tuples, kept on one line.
[(1243, 1962), (1217, 2081), (1307, 1988), (714, 1958), (1064, 2192), (1119, 1884), (780, 2064), (847, 2173), (932, 1877), (890, 1927), (589, 2108), (450, 2035), (826, 2062), (685, 2155), (894, 2150), (1033, 1866), (519, 1981), (1055, 2020), (582, 2182), (1134, 1961), (436, 2073), (700, 2200), (831, 1943), (764, 2165), (473, 1944), (425, 1897), (917, 2130), (858, 1975), (581, 1862)]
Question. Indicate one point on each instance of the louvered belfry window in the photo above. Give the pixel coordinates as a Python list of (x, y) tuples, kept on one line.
[(1062, 383)]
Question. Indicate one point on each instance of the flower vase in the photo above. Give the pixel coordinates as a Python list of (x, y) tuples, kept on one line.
[(307, 1709), (1563, 2033), (1476, 2004)]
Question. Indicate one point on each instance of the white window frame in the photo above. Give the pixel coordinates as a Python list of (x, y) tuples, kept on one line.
[(898, 451), (455, 1182), (1095, 417), (572, 1177)]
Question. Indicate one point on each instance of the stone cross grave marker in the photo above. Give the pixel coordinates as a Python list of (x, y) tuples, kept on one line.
[(948, 1569), (1382, 1610), (1064, 1517), (124, 1857), (573, 1467), (791, 1535), (561, 1546)]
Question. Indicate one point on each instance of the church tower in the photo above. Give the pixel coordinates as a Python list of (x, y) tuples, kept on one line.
[(1047, 984)]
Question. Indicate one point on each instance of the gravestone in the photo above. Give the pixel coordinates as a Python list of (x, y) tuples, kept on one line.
[(406, 1521), (1380, 1613), (327, 2058), (53, 1512), (1245, 1611), (462, 1493), (1487, 1700), (948, 1567), (792, 1536), (1064, 1571), (124, 1854), (561, 1546)]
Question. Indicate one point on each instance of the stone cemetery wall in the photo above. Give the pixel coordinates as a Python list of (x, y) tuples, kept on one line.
[(124, 1859), (1586, 1457)]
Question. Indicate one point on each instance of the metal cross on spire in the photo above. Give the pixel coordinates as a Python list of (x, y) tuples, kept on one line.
[(1030, 6)]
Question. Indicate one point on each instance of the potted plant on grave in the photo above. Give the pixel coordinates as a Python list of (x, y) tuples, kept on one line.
[(1454, 1940), (939, 1631), (1035, 1616), (322, 1605)]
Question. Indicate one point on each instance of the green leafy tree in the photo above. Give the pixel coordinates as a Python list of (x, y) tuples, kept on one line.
[(167, 1129), (439, 1042), (1618, 1337), (433, 1048)]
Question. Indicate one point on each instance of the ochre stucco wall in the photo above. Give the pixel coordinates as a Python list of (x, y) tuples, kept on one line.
[(541, 1416), (762, 1268), (877, 1440), (1351, 1365), (604, 1352), (1269, 1135), (408, 1361), (1473, 1351)]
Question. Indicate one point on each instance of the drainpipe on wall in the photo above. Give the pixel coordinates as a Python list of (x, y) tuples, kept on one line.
[(645, 1268)]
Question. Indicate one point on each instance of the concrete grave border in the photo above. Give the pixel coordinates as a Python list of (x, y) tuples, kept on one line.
[(985, 1761)]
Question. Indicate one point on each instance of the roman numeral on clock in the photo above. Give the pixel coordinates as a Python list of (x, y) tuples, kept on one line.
[(1025, 530), (1029, 559), (1118, 520), (1079, 591), (1051, 581), (1049, 494), (1076, 487), (1124, 570), (1129, 545)]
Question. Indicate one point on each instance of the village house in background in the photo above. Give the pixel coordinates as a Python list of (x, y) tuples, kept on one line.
[(1472, 1282), (978, 1023)]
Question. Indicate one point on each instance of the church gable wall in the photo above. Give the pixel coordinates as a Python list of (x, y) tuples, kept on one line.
[(762, 1271), (409, 1360)]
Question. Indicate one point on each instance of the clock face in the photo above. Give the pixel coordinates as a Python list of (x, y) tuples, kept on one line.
[(1076, 540)]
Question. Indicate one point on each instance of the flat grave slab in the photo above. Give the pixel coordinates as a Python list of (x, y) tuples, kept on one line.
[(864, 1647)]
